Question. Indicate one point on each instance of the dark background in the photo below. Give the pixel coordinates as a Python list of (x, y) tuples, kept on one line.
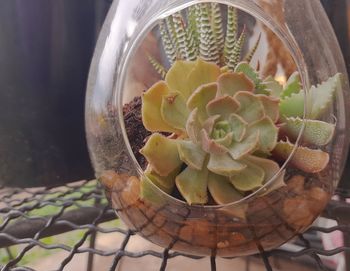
[(339, 14), (45, 52)]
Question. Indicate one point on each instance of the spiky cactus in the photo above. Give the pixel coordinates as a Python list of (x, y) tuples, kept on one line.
[(228, 126), (199, 32)]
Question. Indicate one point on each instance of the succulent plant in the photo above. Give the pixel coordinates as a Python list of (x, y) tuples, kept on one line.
[(198, 32), (225, 130), (227, 126), (219, 123)]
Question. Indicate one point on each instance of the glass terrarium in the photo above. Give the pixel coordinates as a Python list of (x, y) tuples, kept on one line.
[(218, 127)]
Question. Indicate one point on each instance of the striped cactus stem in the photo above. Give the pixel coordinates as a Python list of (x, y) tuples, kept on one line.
[(192, 32), (217, 26), (235, 56), (197, 12), (169, 46), (181, 36), (172, 34), (200, 32), (157, 66), (208, 48), (231, 32), (248, 58)]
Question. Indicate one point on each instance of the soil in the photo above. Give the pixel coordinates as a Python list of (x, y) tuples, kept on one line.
[(134, 128)]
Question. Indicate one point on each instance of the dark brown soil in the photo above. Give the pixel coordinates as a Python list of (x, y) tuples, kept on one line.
[(134, 128)]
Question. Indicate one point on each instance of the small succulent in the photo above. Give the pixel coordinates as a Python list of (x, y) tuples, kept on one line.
[(217, 127), (199, 32)]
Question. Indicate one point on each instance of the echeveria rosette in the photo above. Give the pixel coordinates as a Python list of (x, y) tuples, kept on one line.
[(219, 123)]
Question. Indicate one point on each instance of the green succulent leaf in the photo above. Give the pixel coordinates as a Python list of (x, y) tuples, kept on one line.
[(222, 190), (273, 87), (271, 106), (174, 110), (230, 83), (316, 132), (223, 106), (191, 154), (149, 193), (248, 145), (225, 141), (177, 77), (200, 98), (293, 106), (275, 185), (209, 124), (194, 127), (319, 100), (221, 129), (305, 159), (210, 145), (203, 73), (270, 167), (251, 178), (223, 164), (293, 85), (151, 109), (238, 126), (251, 74), (164, 183), (322, 96), (251, 108), (268, 134), (192, 185), (161, 154)]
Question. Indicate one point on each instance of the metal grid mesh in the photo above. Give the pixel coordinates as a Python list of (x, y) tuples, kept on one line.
[(27, 216)]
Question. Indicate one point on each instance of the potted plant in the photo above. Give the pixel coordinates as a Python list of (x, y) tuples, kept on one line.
[(218, 158)]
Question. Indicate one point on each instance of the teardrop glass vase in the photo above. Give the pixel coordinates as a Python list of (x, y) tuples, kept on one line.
[(218, 127)]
